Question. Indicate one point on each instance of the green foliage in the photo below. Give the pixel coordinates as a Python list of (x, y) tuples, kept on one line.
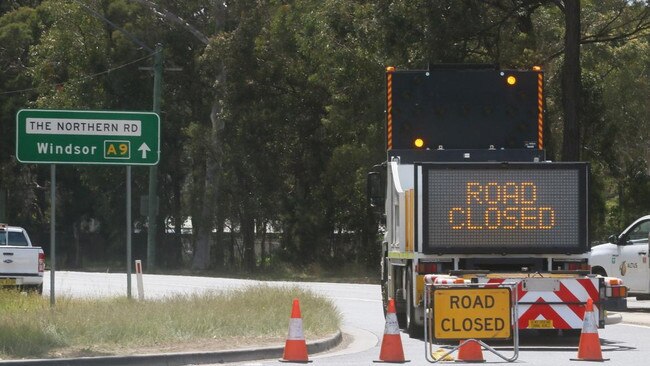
[(270, 127), (19, 29), (615, 120)]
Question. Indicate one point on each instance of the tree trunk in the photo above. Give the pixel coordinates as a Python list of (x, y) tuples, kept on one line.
[(77, 244), (571, 82), (209, 202), (233, 249), (248, 237), (174, 258), (218, 255), (202, 257), (264, 251)]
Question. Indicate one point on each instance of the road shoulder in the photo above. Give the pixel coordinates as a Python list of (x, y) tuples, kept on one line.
[(184, 358)]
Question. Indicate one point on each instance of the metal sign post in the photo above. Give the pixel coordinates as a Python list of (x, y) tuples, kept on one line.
[(128, 231), (470, 312), (52, 231)]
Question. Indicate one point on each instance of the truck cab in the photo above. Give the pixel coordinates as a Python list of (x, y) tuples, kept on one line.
[(626, 257)]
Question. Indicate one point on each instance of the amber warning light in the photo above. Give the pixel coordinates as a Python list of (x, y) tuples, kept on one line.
[(511, 80), (418, 142)]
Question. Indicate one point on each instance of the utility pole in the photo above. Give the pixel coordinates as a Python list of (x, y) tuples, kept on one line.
[(153, 170), (152, 200)]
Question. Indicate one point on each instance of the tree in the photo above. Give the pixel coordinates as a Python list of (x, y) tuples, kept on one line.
[(278, 111), (22, 185), (571, 80)]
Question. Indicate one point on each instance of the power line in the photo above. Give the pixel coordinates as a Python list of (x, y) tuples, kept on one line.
[(83, 78), (123, 31)]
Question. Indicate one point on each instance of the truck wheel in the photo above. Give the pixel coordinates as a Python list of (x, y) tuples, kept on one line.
[(414, 329)]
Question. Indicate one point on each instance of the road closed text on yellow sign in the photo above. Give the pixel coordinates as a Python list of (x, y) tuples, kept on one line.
[(481, 313)]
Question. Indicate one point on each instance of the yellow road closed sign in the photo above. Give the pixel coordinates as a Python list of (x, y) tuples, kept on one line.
[(463, 313)]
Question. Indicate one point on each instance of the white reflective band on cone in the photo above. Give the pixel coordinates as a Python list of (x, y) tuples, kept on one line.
[(391, 324), (295, 330), (589, 325)]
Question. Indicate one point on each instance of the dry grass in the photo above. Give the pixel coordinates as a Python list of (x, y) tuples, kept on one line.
[(252, 316)]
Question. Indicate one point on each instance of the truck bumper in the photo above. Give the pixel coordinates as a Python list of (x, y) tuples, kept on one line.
[(21, 281), (613, 318), (614, 304)]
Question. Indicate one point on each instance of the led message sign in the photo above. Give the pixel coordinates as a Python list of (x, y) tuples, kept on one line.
[(494, 208)]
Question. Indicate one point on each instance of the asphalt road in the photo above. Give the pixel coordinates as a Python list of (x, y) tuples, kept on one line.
[(363, 322)]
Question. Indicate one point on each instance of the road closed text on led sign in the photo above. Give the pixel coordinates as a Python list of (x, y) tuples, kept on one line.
[(501, 205), (493, 208)]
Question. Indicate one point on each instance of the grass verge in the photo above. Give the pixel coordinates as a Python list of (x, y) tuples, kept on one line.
[(256, 315)]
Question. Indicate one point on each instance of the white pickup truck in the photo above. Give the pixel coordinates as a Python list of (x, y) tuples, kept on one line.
[(626, 257), (21, 264)]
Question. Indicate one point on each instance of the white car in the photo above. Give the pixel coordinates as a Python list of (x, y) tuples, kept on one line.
[(21, 264), (626, 257)]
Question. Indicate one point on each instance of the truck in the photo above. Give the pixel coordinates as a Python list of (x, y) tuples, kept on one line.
[(467, 196), (626, 255), (22, 263)]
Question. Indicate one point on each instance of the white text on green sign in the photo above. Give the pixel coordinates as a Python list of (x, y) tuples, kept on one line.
[(87, 137)]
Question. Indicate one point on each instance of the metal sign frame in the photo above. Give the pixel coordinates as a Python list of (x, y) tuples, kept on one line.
[(428, 321)]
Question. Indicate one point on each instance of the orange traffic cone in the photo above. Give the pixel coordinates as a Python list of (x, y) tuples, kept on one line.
[(391, 345), (589, 346), (295, 348), (470, 351)]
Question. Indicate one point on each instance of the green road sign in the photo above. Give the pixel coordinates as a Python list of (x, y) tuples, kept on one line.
[(87, 137)]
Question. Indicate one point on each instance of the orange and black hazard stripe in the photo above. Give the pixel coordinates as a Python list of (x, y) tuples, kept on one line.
[(540, 107), (389, 107)]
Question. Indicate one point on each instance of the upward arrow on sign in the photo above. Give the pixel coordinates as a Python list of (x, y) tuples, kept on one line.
[(144, 148)]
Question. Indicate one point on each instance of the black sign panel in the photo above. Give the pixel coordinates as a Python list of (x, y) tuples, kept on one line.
[(504, 208), (465, 108)]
